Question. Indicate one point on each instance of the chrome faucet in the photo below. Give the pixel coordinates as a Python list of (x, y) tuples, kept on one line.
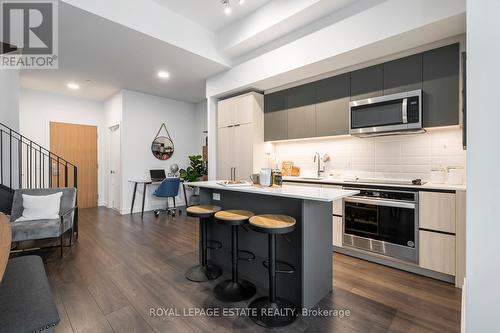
[(317, 158)]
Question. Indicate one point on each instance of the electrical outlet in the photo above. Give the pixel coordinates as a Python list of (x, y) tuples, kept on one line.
[(216, 196)]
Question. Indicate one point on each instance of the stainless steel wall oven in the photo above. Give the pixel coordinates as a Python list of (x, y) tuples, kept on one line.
[(382, 221)]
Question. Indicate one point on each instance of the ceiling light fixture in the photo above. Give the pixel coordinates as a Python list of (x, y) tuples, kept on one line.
[(73, 86), (242, 2), (163, 75), (227, 6)]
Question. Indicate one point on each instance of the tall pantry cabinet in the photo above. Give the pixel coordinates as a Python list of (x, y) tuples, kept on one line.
[(240, 136)]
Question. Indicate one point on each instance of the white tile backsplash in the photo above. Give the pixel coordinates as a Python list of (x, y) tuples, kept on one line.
[(392, 157)]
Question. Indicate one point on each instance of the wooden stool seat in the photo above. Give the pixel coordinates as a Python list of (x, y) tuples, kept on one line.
[(202, 210), (233, 217), (273, 224)]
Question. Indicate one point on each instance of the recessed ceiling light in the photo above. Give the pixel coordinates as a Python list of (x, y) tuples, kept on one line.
[(163, 75), (73, 86), (227, 6), (242, 2)]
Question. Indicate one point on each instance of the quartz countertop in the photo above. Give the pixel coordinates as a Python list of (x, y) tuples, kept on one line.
[(378, 182), (288, 191)]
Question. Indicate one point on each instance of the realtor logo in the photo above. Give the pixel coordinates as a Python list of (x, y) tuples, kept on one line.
[(28, 34)]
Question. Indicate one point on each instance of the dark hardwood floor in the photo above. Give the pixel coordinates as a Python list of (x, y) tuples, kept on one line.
[(122, 266)]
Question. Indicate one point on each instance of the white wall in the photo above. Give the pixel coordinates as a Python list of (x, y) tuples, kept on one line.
[(9, 116), (201, 121), (142, 117), (483, 160), (9, 100), (113, 107), (37, 109), (391, 157)]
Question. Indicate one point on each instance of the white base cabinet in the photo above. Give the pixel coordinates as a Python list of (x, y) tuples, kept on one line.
[(337, 231)]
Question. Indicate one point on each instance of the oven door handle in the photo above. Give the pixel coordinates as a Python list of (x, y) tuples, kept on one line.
[(377, 202)]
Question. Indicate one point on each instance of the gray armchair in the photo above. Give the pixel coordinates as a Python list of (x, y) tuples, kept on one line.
[(43, 229)]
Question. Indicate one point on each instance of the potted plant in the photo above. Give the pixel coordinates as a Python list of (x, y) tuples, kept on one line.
[(197, 170)]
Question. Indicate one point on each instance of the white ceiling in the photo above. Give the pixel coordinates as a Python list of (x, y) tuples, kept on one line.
[(106, 50), (104, 57), (209, 13)]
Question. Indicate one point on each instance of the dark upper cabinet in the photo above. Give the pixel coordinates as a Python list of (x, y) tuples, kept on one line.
[(276, 125), (303, 95), (302, 111), (321, 108), (276, 116), (441, 69), (301, 122), (403, 74), (276, 101), (332, 108), (367, 82)]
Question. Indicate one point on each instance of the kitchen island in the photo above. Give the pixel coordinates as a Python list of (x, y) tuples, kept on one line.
[(308, 248)]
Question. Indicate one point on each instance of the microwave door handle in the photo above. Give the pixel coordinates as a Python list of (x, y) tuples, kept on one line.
[(377, 202), (404, 111)]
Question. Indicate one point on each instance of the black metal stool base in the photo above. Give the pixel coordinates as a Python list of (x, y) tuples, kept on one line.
[(272, 314), (229, 291), (202, 273)]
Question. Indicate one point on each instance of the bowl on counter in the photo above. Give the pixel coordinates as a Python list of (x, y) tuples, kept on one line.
[(438, 175)]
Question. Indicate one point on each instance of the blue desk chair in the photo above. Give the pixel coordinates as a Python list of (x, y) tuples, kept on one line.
[(169, 188)]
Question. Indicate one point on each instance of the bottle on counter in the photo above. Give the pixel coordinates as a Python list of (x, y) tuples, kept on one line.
[(277, 177)]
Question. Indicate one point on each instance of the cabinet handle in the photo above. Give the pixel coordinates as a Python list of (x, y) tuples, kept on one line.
[(230, 126), (237, 125), (404, 111)]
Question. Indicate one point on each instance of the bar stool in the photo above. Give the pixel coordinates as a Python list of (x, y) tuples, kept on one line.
[(204, 271), (267, 307), (235, 290)]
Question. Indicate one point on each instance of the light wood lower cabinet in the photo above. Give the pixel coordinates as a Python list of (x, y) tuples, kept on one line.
[(437, 211), (337, 231), (437, 251)]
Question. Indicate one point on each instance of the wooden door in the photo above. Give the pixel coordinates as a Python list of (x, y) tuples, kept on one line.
[(78, 145)]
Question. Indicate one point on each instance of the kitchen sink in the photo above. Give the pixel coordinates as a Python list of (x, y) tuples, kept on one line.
[(311, 178)]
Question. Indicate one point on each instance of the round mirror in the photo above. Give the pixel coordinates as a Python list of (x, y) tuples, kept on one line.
[(162, 148)]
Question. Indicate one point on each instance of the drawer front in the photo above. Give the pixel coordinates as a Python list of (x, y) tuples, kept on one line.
[(437, 252), (437, 211)]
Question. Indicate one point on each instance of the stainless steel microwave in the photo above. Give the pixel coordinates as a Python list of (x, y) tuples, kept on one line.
[(389, 114)]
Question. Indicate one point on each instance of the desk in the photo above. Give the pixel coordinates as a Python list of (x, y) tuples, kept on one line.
[(145, 183)]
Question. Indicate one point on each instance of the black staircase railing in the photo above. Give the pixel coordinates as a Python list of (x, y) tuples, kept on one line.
[(26, 164)]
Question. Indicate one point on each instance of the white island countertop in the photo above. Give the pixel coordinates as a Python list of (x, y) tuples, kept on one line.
[(288, 191)]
